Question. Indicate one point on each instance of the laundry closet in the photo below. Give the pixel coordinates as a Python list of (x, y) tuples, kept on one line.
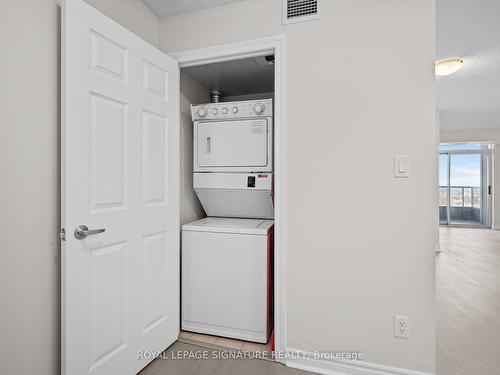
[(227, 200)]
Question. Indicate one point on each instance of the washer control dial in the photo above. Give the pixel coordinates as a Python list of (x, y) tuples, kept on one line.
[(224, 110), (214, 111), (235, 109)]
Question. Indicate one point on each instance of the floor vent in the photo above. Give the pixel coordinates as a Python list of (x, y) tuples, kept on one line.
[(300, 10)]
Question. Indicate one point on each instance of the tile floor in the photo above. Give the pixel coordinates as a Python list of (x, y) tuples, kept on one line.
[(190, 337)]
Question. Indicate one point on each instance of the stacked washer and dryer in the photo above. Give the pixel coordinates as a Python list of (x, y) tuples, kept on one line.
[(227, 257)]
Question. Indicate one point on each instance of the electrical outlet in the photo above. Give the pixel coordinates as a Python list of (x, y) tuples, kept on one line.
[(402, 327)]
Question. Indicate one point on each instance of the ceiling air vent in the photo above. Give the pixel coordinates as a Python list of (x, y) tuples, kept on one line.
[(300, 10)]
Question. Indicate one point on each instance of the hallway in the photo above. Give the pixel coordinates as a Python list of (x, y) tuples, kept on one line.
[(468, 302)]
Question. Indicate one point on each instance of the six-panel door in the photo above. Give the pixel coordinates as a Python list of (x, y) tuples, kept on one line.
[(120, 142)]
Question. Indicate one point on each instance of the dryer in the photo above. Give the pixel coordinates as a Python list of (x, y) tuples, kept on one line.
[(233, 158)]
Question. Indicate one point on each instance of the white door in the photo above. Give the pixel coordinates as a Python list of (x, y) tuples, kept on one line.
[(120, 139), (233, 144)]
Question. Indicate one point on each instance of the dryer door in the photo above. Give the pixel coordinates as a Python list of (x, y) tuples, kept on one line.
[(233, 146)]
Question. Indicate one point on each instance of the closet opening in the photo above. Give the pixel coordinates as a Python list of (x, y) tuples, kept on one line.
[(227, 203)]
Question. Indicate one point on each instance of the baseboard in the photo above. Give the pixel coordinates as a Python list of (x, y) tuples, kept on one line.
[(495, 227), (307, 362)]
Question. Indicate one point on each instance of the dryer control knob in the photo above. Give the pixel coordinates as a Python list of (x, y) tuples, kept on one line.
[(224, 110), (258, 108), (214, 111), (202, 112), (235, 109)]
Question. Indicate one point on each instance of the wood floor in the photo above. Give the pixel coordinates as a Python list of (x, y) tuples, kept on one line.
[(214, 363), (468, 302)]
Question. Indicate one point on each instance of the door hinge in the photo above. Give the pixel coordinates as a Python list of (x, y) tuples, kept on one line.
[(62, 234), (489, 189)]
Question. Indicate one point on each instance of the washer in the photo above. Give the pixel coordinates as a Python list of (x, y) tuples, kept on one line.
[(227, 278)]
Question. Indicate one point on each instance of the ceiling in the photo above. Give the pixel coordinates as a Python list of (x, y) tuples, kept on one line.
[(167, 8), (469, 29), (240, 77)]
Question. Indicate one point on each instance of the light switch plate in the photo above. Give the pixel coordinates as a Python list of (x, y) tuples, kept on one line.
[(401, 166)]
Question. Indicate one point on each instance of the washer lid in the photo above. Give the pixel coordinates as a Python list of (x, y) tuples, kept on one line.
[(230, 225)]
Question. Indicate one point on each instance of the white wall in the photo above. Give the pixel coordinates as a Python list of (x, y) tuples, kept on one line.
[(360, 89), (491, 136), (468, 120), (29, 177), (471, 135), (191, 93)]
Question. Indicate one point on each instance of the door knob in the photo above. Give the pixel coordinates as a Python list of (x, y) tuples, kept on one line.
[(83, 231)]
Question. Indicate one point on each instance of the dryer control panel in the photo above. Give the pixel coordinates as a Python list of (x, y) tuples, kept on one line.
[(233, 110)]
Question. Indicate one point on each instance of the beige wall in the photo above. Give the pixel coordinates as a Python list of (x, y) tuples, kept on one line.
[(360, 89), (29, 177), (191, 93)]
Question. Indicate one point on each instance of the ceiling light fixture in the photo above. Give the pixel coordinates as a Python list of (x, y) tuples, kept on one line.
[(447, 67)]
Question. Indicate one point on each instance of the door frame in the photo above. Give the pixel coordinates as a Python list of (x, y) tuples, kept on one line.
[(488, 180), (252, 48)]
